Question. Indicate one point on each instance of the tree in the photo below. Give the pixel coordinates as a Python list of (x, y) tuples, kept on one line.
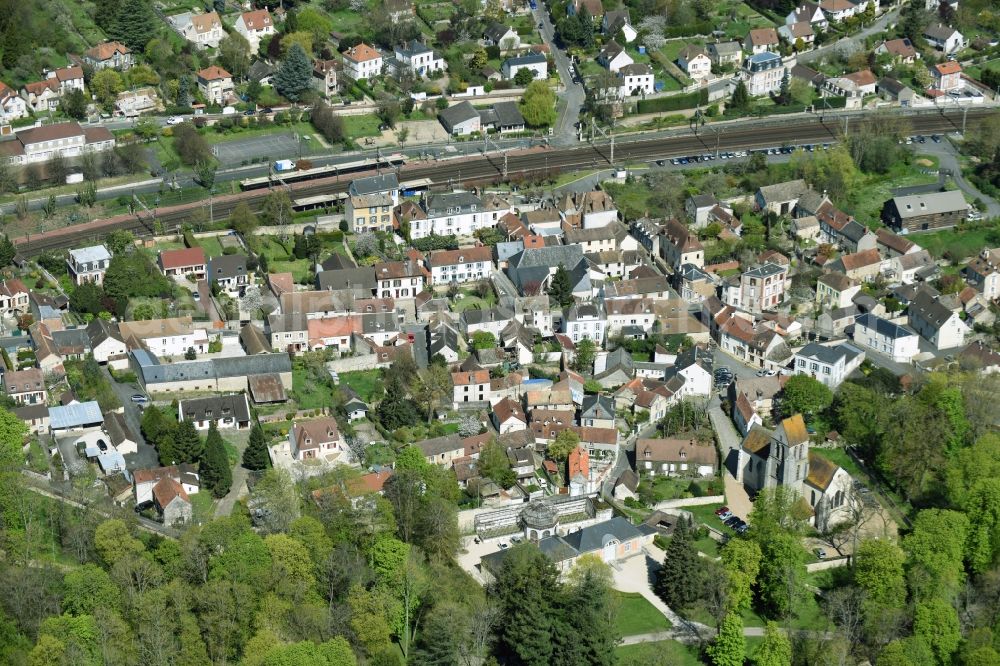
[(74, 104), (277, 208), (878, 571), (106, 84), (729, 647), (7, 251), (805, 395), (134, 24), (524, 76), (586, 351), (494, 464), (188, 447), (775, 649), (935, 550), (206, 173), (300, 38), (274, 501), (395, 409), (295, 74), (327, 123), (741, 97), (191, 146), (214, 469), (119, 241), (255, 456), (432, 385), (234, 54), (935, 623), (676, 582), (741, 562), (538, 105), (560, 288), (522, 586), (483, 340), (114, 542), (243, 220), (563, 445), (388, 111)]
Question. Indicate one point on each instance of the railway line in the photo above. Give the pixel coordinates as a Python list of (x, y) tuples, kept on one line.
[(450, 173)]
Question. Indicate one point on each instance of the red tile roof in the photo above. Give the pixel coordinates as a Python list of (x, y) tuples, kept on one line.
[(578, 463), (190, 256), (469, 378), (950, 67), (166, 490), (257, 20), (214, 73), (361, 53)]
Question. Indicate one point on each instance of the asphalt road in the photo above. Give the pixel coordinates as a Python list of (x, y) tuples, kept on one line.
[(574, 95)]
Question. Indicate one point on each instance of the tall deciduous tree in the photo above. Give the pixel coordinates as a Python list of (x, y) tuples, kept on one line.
[(729, 647), (583, 358), (432, 385), (538, 105), (741, 562), (805, 395), (563, 445), (775, 649), (294, 75), (935, 550)]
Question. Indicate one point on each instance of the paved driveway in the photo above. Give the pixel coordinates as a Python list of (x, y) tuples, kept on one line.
[(948, 159), (146, 455), (574, 95)]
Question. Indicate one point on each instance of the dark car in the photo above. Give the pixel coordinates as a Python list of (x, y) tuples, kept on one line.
[(248, 112), (732, 521), (661, 163), (142, 506)]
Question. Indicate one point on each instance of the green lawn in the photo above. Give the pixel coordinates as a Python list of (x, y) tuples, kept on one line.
[(309, 394), (202, 506), (366, 383), (359, 126), (661, 652), (637, 616), (301, 129), (211, 246), (957, 243), (872, 192)]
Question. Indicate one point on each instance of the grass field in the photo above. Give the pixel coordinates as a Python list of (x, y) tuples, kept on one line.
[(359, 126), (309, 394), (211, 246), (366, 383), (202, 507), (958, 244), (660, 652), (637, 616)]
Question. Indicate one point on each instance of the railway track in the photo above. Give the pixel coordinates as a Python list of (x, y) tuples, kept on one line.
[(490, 167)]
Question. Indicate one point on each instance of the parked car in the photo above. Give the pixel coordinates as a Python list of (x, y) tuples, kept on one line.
[(174, 120), (503, 546), (140, 399), (721, 510), (820, 553)]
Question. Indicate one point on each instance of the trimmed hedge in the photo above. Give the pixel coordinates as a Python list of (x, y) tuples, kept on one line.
[(189, 240), (673, 103)]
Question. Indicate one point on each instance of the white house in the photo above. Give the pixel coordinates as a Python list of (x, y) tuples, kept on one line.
[(808, 12), (254, 26), (460, 119), (43, 142), (935, 322), (216, 84), (586, 321), (458, 213), (464, 265), (636, 79), (762, 73), (165, 337), (944, 38), (983, 273), (760, 40), (504, 36), (617, 23), (226, 411), (88, 264), (695, 62), (205, 30), (362, 62), (106, 342), (536, 62), (469, 387), (881, 335), (317, 439), (145, 479), (674, 457), (419, 58), (836, 290), (613, 56), (829, 365), (12, 106)]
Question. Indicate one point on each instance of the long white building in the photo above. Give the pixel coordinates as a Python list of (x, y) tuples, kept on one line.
[(454, 213)]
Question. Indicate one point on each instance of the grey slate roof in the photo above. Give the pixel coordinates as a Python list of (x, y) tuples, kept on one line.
[(927, 306), (829, 355), (438, 205), (530, 59), (212, 407), (595, 537), (883, 327), (765, 270), (457, 114), (362, 277), (930, 203), (374, 184), (597, 407), (226, 266), (439, 445), (508, 114)]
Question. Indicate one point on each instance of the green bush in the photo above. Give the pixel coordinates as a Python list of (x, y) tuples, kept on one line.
[(189, 240), (673, 103)]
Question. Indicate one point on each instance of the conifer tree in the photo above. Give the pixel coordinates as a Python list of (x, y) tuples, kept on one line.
[(294, 75), (255, 455), (678, 582), (214, 470), (134, 24), (188, 447), (561, 288)]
